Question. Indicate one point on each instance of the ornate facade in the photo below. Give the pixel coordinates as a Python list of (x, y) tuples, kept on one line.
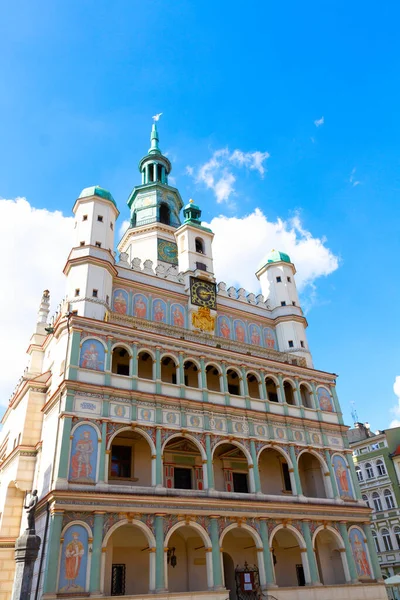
[(174, 428)]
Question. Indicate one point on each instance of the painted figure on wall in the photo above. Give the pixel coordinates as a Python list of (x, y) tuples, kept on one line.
[(360, 553), (140, 306), (269, 338), (255, 335), (325, 400), (92, 355), (342, 477), (240, 331), (74, 560), (120, 302), (159, 311), (178, 315), (83, 455), (224, 328)]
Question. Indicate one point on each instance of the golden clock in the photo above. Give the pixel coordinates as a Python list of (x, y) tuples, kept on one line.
[(203, 293)]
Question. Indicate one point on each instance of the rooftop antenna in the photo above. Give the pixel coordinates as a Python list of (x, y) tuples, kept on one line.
[(354, 412)]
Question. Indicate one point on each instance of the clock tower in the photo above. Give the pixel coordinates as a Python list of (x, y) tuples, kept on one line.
[(155, 208), (194, 243)]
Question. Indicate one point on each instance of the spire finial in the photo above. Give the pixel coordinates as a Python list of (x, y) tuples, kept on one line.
[(154, 148)]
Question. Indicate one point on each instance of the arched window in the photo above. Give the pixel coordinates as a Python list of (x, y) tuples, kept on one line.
[(120, 361), (145, 365), (191, 374), (213, 378), (199, 246), (388, 498), (376, 541), (272, 392), (377, 501), (165, 214), (233, 382), (168, 370), (387, 540), (397, 534), (381, 467), (305, 397), (359, 473), (370, 471), (253, 386), (289, 395), (365, 498)]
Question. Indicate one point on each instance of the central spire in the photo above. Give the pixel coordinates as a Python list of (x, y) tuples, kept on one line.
[(154, 139)]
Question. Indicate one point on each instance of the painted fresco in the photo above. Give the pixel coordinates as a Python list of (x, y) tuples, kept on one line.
[(342, 477), (74, 559), (325, 400), (92, 355), (360, 553), (140, 306), (159, 313), (84, 449), (120, 302), (240, 331), (270, 338), (224, 327), (177, 315), (255, 335)]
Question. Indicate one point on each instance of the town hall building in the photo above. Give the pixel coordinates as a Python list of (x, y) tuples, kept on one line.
[(178, 435)]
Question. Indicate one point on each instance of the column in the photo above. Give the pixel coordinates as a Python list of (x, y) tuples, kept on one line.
[(216, 552), (203, 379), (65, 444), (310, 553), (337, 404), (95, 568), (210, 470), (158, 371), (103, 448), (181, 375), (256, 472), (245, 387), (372, 552), (108, 362), (159, 531), (155, 172), (264, 395), (281, 394), (349, 553), (331, 474), (296, 473), (53, 551), (159, 477), (134, 365), (268, 564), (225, 383), (353, 476), (298, 394)]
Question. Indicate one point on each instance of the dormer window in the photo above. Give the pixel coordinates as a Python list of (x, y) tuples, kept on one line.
[(199, 246)]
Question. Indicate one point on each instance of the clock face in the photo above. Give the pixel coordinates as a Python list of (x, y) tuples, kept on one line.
[(167, 251), (203, 293)]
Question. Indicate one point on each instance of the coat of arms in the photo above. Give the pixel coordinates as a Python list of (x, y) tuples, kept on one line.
[(203, 320)]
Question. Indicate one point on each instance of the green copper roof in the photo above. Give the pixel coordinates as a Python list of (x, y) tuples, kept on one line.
[(154, 140), (96, 190), (275, 256)]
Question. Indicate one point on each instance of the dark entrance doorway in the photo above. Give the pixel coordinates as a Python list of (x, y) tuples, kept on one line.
[(182, 478), (229, 575)]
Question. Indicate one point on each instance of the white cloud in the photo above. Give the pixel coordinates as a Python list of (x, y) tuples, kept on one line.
[(123, 227), (217, 173), (352, 178), (396, 409), (240, 244), (319, 122), (34, 245), (189, 170)]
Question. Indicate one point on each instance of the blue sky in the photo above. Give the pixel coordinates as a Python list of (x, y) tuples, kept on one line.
[(80, 82)]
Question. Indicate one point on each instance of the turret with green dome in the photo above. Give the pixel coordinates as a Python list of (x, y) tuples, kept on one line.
[(96, 190)]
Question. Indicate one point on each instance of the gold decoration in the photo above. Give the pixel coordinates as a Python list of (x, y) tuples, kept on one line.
[(203, 320)]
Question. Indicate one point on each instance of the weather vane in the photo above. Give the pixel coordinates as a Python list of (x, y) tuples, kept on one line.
[(156, 117)]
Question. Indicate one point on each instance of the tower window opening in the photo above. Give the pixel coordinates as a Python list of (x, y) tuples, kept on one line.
[(98, 244), (81, 243), (95, 293), (77, 291), (302, 343), (100, 218), (151, 173), (199, 246), (159, 173), (112, 226), (84, 218), (201, 266), (283, 303), (165, 214), (291, 344), (294, 303), (289, 279), (278, 279)]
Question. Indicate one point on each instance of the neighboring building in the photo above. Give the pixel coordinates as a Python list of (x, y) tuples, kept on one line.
[(376, 457), (175, 429)]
